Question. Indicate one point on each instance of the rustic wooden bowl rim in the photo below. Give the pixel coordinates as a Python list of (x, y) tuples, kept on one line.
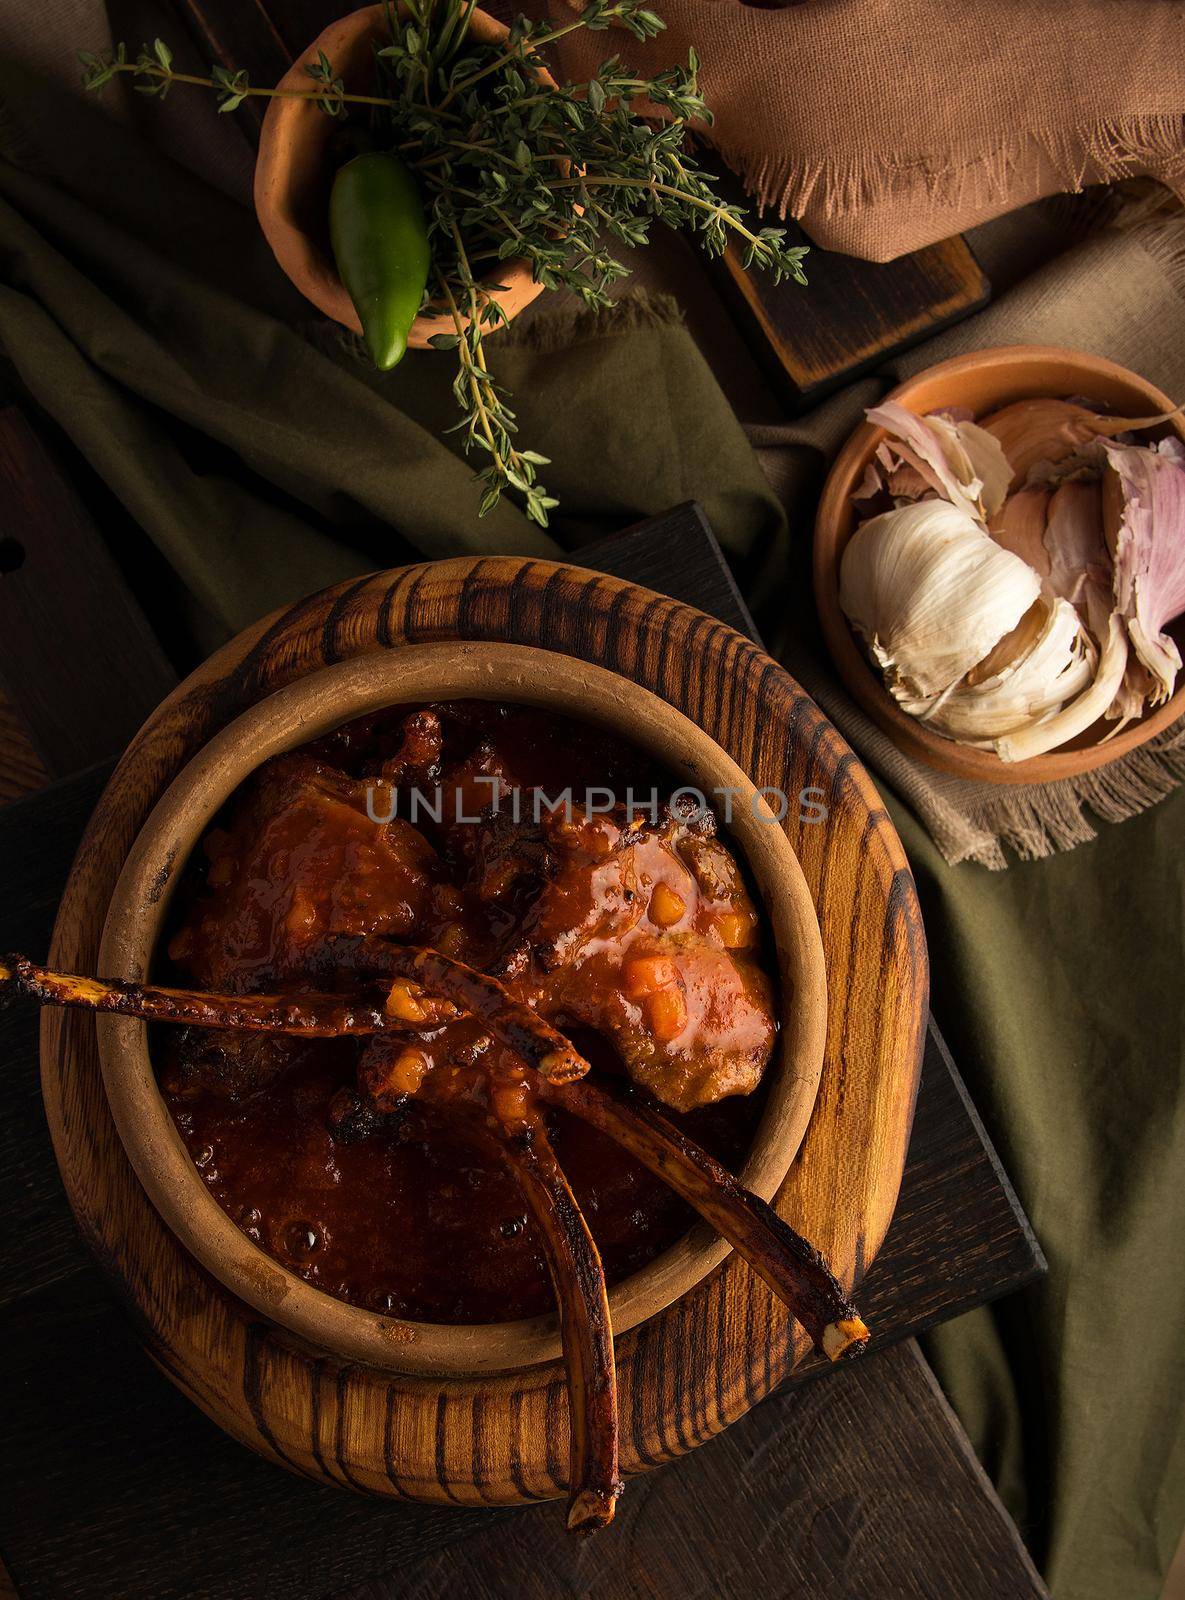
[(1009, 372), (292, 141), (303, 710)]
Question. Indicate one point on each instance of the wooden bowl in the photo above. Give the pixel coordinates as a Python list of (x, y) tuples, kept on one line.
[(304, 710), (980, 382), (294, 173)]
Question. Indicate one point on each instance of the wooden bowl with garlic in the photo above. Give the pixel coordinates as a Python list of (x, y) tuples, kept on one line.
[(999, 564)]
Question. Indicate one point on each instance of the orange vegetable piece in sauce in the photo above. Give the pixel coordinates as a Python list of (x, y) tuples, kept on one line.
[(645, 975), (667, 906), (735, 930), (405, 1002), (667, 1013)]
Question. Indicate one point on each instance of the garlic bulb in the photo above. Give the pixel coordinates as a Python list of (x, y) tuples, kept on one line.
[(1020, 590), (931, 593)]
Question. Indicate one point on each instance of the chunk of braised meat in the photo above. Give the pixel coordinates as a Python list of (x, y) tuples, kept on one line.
[(300, 861), (508, 858), (463, 1067), (645, 932), (353, 1118), (222, 1061), (470, 789), (363, 748), (421, 745)]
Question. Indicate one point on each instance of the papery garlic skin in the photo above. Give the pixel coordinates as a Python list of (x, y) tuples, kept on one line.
[(931, 593), (1058, 664), (957, 459), (986, 457), (1145, 516)]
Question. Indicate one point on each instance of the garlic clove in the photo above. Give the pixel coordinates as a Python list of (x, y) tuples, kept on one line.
[(1081, 713), (1144, 520), (1019, 526), (1034, 431), (1015, 644), (1074, 541), (1047, 659), (931, 594)]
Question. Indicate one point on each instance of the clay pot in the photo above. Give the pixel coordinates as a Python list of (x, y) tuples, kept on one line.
[(295, 169), (304, 710), (980, 382)]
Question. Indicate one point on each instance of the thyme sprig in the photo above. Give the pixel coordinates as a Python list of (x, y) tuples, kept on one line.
[(513, 168)]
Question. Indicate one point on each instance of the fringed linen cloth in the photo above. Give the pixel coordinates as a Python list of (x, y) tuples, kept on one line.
[(885, 127)]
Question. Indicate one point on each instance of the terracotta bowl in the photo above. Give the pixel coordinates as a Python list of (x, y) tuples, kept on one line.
[(980, 382), (304, 710), (294, 173)]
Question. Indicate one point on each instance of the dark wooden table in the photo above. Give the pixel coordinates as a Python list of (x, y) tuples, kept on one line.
[(859, 1482)]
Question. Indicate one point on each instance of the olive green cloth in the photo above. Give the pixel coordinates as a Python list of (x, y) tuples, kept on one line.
[(142, 312)]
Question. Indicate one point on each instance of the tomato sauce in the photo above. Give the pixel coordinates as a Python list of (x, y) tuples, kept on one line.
[(403, 1213)]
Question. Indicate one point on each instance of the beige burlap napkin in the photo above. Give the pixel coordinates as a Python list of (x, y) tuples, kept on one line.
[(1120, 293), (883, 127)]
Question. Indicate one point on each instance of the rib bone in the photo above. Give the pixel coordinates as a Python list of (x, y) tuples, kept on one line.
[(519, 1028), (314, 1016), (442, 989), (578, 1281), (794, 1269)]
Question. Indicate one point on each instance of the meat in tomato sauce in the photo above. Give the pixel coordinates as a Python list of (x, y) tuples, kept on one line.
[(629, 926)]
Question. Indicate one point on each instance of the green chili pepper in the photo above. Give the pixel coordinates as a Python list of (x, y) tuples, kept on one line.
[(380, 243)]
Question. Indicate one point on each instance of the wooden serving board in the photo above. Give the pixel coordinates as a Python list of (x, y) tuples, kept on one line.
[(851, 315), (698, 1366)]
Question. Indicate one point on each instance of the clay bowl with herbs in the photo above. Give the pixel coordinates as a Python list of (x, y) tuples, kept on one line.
[(402, 1067), (301, 150), (999, 564)]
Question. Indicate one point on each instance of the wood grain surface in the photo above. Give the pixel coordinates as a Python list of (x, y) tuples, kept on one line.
[(761, 1542), (851, 315), (686, 1374), (21, 768)]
